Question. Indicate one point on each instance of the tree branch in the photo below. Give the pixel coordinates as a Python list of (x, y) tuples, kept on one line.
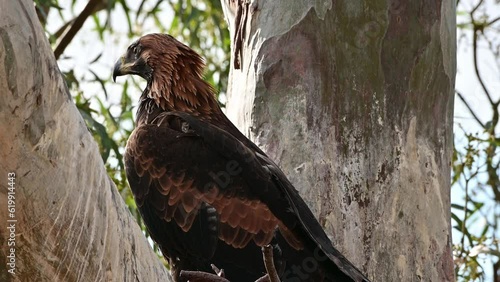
[(219, 272), (470, 109), (267, 251), (264, 278), (89, 9), (476, 66), (493, 21), (476, 7), (195, 276), (199, 276)]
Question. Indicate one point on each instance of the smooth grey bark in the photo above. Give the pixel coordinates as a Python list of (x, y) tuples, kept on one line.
[(72, 224), (354, 100)]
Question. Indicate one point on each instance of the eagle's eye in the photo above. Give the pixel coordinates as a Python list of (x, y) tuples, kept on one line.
[(136, 51)]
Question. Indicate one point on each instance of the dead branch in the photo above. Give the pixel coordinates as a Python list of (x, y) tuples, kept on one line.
[(267, 251), (199, 276)]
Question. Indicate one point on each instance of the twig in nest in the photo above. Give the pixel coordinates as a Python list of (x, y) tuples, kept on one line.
[(219, 272), (267, 251), (199, 276)]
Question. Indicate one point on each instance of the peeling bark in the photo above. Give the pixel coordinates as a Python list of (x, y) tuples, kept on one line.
[(354, 100), (72, 225)]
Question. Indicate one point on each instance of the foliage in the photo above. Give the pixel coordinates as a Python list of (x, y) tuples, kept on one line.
[(476, 161), (199, 23)]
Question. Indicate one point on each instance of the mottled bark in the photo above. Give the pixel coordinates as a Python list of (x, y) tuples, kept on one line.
[(354, 100), (72, 225)]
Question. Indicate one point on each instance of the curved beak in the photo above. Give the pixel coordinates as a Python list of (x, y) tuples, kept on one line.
[(128, 64), (118, 70)]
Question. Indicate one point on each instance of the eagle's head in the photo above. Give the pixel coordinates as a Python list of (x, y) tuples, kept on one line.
[(173, 72), (134, 61), (155, 53)]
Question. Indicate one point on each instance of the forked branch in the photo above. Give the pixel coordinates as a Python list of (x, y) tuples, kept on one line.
[(199, 276)]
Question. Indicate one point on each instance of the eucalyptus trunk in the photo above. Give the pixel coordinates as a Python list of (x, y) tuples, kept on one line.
[(70, 222), (354, 101)]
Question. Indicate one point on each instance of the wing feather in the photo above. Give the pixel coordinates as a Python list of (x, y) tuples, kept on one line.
[(180, 169)]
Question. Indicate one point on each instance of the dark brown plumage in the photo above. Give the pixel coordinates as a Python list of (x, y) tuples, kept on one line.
[(207, 194)]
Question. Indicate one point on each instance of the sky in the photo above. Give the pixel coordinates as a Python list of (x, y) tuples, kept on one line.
[(87, 43)]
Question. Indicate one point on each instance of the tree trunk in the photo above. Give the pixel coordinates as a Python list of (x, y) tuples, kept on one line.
[(68, 221), (354, 100)]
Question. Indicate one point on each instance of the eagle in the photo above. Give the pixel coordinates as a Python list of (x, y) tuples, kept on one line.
[(207, 194)]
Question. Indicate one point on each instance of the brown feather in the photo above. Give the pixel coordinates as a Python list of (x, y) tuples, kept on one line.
[(177, 83)]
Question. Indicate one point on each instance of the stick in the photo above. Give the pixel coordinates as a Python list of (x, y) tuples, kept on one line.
[(267, 251)]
